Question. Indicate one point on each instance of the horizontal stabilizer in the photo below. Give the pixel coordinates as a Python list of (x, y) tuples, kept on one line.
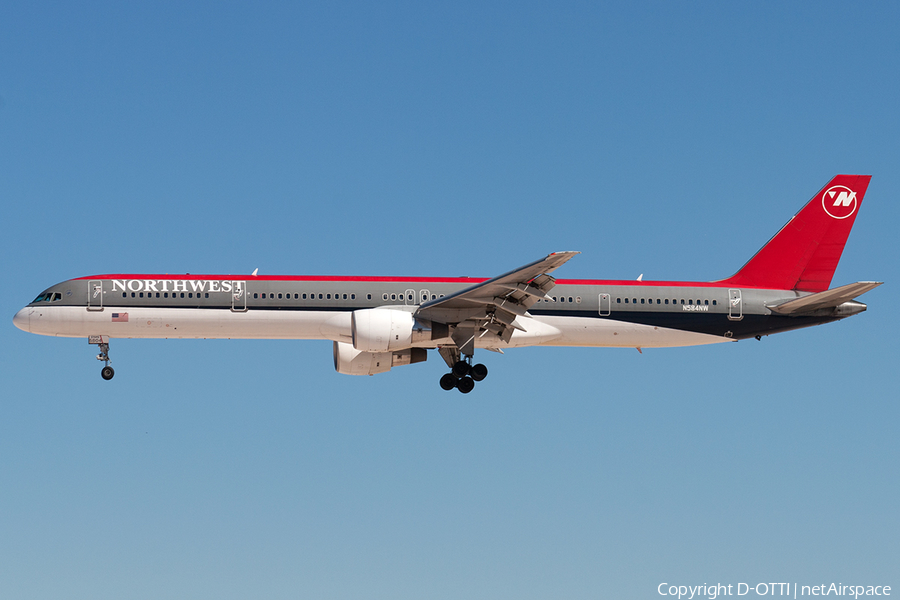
[(826, 299)]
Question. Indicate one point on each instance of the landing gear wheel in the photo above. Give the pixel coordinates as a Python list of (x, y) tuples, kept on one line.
[(466, 385), (479, 372), (107, 372), (449, 381), (461, 369)]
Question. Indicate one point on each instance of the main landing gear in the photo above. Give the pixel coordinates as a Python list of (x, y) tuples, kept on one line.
[(463, 376), (107, 371)]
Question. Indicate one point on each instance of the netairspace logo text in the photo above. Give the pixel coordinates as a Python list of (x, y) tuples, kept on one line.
[(793, 590)]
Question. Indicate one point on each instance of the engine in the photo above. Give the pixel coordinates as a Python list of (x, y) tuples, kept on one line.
[(384, 338), (383, 329), (350, 361)]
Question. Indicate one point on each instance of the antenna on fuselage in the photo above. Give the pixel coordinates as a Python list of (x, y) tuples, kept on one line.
[(255, 271)]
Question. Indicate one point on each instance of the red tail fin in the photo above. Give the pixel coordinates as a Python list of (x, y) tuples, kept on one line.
[(805, 253)]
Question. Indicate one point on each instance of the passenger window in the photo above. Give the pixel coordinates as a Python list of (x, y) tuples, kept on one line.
[(384, 296), (393, 296), (578, 299), (368, 296), (124, 295), (642, 300), (182, 294), (328, 296), (706, 302), (714, 302), (433, 297), (634, 300), (667, 300), (626, 300), (345, 296), (255, 295), (618, 301), (132, 295)]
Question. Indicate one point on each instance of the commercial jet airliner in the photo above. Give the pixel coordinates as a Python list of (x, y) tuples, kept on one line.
[(376, 323)]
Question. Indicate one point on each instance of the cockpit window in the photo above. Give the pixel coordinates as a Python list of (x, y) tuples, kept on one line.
[(48, 297)]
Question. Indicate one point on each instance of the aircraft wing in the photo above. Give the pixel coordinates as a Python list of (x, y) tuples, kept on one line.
[(493, 305), (826, 299)]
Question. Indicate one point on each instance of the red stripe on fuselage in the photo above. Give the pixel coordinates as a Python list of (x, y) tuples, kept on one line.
[(632, 282), (460, 280), (189, 277)]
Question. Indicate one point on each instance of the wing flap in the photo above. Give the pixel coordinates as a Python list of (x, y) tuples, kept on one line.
[(493, 305)]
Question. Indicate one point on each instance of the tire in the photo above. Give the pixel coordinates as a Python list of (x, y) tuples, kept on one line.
[(107, 373), (479, 372), (461, 369), (449, 381), (466, 385)]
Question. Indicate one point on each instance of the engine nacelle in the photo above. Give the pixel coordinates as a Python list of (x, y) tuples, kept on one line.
[(350, 361), (381, 329)]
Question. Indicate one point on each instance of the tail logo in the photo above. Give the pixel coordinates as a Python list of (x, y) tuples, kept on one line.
[(839, 201)]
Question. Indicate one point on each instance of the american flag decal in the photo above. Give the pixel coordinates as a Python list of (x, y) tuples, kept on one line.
[(120, 317)]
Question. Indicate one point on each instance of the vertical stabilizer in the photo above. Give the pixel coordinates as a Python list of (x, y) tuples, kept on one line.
[(804, 254)]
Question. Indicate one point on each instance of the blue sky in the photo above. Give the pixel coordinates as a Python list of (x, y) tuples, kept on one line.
[(398, 139)]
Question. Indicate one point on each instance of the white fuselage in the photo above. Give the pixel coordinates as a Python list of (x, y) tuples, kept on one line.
[(208, 323)]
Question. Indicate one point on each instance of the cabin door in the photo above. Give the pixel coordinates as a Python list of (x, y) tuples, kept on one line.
[(605, 305), (735, 305), (95, 295), (239, 296)]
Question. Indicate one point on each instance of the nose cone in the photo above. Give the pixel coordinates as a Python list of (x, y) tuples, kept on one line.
[(22, 320)]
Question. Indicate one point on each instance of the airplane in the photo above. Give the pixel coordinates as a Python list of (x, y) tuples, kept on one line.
[(377, 323)]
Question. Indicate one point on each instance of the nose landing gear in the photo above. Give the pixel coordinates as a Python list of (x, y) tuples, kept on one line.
[(107, 372), (102, 342)]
